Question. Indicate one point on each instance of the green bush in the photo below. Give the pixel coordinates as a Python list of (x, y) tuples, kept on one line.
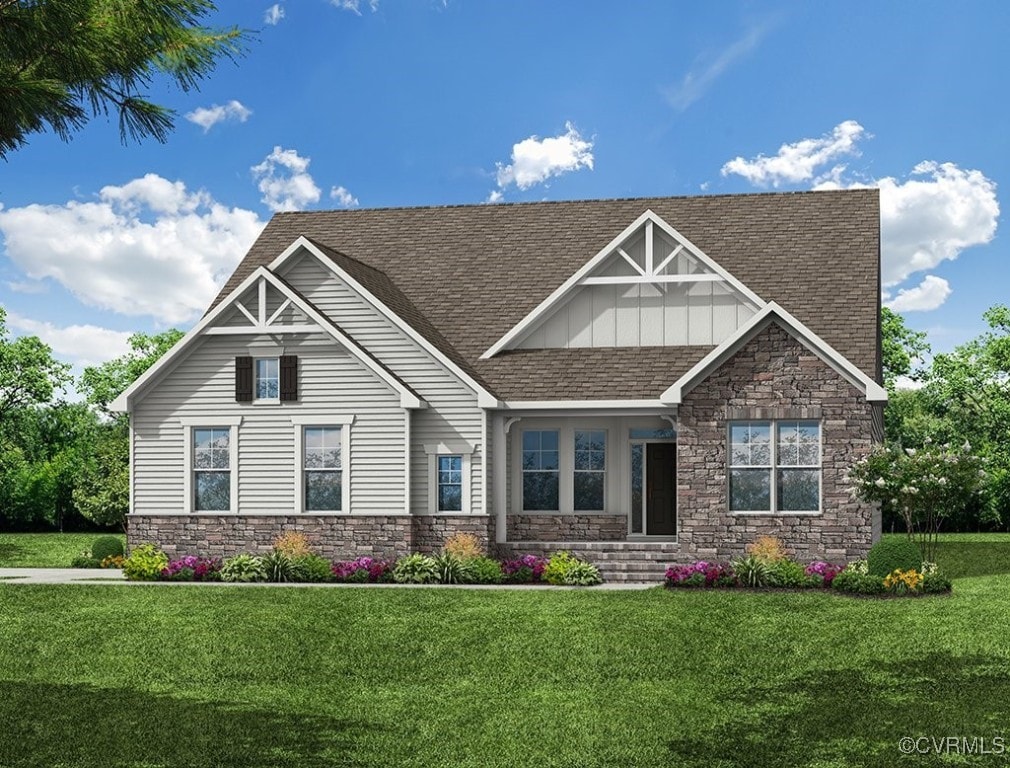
[(415, 569), (450, 569), (483, 570), (582, 574), (278, 567), (313, 569), (787, 573), (107, 546), (243, 568), (85, 560), (893, 553), (752, 572), (935, 583), (145, 563), (858, 583)]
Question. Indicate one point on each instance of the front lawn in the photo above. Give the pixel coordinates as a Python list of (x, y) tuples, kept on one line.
[(972, 554), (112, 676), (44, 550)]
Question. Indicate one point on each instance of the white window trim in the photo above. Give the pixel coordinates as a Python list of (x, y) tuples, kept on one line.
[(566, 428), (433, 451), (604, 471), (344, 422), (255, 383), (773, 469), (189, 424)]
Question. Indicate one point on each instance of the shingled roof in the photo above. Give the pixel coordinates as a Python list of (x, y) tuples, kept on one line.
[(462, 276)]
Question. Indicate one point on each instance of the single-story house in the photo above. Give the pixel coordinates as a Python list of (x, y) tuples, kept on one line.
[(640, 381)]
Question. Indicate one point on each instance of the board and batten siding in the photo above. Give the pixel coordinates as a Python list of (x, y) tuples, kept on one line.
[(331, 383), (452, 414)]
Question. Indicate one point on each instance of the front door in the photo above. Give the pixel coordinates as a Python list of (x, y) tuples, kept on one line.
[(661, 489)]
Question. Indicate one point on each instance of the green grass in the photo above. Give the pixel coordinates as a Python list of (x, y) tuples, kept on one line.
[(263, 677), (44, 550), (973, 554)]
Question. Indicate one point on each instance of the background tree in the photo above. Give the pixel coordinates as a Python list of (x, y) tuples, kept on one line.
[(104, 383), (65, 61), (29, 374), (902, 349)]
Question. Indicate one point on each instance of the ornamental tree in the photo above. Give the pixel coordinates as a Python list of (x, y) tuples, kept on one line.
[(924, 486)]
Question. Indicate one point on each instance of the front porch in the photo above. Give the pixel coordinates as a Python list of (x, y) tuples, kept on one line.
[(618, 561)]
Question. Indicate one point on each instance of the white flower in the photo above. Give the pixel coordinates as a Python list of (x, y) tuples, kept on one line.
[(942, 481), (910, 451), (880, 482), (966, 447)]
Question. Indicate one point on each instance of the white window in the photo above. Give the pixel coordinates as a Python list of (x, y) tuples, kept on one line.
[(450, 483), (590, 469), (210, 455), (775, 466), (449, 476), (322, 464), (267, 380), (541, 470)]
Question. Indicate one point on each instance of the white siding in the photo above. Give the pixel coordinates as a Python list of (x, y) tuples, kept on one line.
[(452, 414), (331, 382)]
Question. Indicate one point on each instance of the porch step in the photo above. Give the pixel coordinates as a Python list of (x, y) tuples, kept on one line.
[(618, 561)]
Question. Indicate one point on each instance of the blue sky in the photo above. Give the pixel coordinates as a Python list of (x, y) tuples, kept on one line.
[(419, 102)]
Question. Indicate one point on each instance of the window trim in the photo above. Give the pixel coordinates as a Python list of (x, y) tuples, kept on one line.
[(433, 451), (565, 490), (189, 426), (343, 422), (256, 380), (774, 467), (576, 470)]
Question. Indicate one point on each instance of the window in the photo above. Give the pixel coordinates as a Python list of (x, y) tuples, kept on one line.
[(211, 469), (590, 469), (323, 469), (783, 475), (540, 470), (267, 384), (450, 483)]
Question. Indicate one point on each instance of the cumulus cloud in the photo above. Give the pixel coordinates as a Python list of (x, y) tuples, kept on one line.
[(927, 295), (536, 160), (148, 247), (27, 286), (343, 197), (354, 6), (708, 69), (81, 345), (273, 15), (285, 182), (799, 161), (208, 117)]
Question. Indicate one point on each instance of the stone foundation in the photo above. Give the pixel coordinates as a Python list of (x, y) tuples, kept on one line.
[(567, 527), (334, 537)]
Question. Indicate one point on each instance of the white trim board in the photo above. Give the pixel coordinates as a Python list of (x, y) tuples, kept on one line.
[(647, 220), (772, 312)]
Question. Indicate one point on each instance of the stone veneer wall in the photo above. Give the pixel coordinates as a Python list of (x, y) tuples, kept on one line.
[(332, 536), (772, 377), (566, 527)]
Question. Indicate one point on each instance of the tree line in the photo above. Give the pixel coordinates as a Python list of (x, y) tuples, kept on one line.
[(65, 465)]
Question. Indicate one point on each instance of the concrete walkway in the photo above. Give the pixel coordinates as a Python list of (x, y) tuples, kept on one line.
[(114, 576)]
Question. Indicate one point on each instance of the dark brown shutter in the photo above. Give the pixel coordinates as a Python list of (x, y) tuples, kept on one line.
[(289, 377), (243, 379)]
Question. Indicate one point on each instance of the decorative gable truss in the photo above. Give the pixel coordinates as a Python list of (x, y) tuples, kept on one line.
[(263, 308), (650, 286)]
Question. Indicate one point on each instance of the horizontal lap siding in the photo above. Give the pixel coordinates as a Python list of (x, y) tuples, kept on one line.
[(330, 382), (452, 414)]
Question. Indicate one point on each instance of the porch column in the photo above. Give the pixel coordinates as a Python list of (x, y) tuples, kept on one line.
[(498, 473)]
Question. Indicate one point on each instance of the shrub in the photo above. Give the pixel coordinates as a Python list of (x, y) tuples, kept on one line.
[(524, 570), (823, 572), (483, 570), (928, 569), (450, 569), (279, 567), (857, 566), (787, 573), (935, 583), (112, 561), (767, 549), (463, 546), (902, 582), (415, 569), (752, 571), (364, 569), (858, 583), (192, 568), (565, 568), (557, 566), (244, 568), (893, 553), (700, 574), (85, 560), (312, 569), (107, 546), (294, 544), (145, 563)]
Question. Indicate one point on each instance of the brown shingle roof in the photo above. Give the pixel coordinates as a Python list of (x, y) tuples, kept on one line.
[(464, 275)]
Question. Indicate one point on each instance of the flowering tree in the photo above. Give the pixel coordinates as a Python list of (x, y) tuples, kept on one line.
[(923, 486)]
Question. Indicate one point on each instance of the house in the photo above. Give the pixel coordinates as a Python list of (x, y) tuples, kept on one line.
[(641, 381)]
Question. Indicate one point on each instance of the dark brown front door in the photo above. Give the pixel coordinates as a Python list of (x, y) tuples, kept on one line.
[(661, 489)]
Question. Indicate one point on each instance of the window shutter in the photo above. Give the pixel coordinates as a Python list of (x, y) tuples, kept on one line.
[(243, 379), (289, 377)]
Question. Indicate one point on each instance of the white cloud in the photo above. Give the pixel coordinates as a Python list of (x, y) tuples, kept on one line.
[(149, 247), (273, 15), (354, 6), (495, 196), (798, 162), (927, 295), (706, 70), (208, 117), (79, 344), (284, 180), (28, 286), (343, 197), (535, 160)]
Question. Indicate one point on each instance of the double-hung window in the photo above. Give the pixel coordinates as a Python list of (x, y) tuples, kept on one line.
[(450, 483), (541, 470), (775, 466), (267, 380), (590, 469), (323, 467), (210, 455)]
